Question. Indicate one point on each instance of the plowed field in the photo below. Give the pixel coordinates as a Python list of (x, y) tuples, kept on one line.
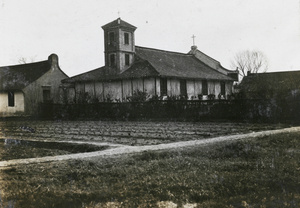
[(125, 133)]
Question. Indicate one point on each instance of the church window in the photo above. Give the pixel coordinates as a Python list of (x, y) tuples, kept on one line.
[(126, 38), (222, 88), (183, 90), (11, 99), (163, 87), (112, 60), (127, 61), (204, 87), (111, 38)]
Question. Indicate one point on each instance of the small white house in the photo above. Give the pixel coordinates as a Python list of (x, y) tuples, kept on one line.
[(24, 86)]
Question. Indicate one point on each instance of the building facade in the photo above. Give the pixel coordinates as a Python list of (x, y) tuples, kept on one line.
[(130, 68)]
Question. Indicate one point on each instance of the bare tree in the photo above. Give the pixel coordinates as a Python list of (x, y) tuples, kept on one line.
[(23, 60), (250, 61)]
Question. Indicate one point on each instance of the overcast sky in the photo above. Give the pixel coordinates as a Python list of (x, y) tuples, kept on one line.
[(33, 29)]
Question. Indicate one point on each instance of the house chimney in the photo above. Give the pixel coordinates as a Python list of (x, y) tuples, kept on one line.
[(53, 59), (248, 73)]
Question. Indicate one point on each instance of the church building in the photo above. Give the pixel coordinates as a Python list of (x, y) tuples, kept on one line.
[(130, 68)]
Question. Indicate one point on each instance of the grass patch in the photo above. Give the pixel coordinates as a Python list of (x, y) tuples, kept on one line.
[(261, 172), (19, 149)]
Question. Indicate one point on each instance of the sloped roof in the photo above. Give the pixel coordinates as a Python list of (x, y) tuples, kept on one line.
[(19, 76), (213, 63), (140, 68), (118, 23), (204, 57), (173, 64), (154, 63), (287, 80), (102, 73)]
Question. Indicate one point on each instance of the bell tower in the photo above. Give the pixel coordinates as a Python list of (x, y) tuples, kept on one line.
[(119, 44)]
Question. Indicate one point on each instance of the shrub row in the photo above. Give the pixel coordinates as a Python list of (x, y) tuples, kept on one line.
[(239, 109)]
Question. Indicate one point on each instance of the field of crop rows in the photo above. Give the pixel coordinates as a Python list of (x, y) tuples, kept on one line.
[(124, 132)]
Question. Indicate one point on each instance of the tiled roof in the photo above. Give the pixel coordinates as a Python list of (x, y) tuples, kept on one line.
[(272, 80), (155, 63), (19, 76), (204, 57), (180, 65), (140, 68), (118, 23)]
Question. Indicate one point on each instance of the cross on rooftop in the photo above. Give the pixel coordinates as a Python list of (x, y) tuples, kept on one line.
[(193, 39)]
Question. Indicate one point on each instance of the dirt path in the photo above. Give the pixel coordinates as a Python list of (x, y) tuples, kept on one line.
[(136, 149)]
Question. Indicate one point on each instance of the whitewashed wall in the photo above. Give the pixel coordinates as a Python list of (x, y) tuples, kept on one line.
[(120, 90), (17, 109)]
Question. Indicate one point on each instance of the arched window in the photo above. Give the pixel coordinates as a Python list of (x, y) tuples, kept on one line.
[(11, 99)]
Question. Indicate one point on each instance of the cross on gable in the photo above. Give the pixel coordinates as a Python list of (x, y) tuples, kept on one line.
[(193, 39)]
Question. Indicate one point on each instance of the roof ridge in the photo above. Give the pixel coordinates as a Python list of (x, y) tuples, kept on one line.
[(174, 52)]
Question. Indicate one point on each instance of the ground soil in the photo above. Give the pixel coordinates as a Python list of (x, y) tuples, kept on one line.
[(128, 137), (155, 164)]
